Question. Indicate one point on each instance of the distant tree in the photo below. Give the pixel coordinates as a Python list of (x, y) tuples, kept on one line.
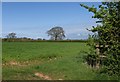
[(24, 37), (56, 33), (43, 39), (11, 35), (39, 39)]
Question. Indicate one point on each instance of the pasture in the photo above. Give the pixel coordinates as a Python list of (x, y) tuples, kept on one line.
[(47, 60)]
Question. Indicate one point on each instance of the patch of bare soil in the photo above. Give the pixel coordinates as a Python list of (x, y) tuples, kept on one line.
[(54, 58), (22, 63), (10, 63), (43, 76)]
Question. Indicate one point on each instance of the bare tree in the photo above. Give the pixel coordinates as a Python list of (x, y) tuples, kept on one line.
[(56, 33), (11, 35)]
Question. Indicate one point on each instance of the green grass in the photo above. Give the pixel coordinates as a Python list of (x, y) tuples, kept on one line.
[(59, 60)]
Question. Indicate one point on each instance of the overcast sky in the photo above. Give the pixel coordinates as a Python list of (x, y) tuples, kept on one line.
[(34, 19)]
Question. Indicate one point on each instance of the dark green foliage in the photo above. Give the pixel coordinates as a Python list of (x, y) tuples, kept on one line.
[(91, 60), (38, 40), (108, 32)]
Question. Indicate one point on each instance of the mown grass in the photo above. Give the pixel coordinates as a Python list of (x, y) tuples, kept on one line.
[(59, 60)]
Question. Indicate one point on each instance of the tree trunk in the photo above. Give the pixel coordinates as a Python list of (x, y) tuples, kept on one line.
[(55, 37)]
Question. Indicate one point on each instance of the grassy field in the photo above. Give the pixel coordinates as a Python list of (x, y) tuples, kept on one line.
[(42, 60)]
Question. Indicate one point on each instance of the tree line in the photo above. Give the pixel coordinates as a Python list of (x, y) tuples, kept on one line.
[(57, 34)]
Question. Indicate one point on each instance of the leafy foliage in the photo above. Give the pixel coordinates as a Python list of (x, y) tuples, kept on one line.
[(108, 32)]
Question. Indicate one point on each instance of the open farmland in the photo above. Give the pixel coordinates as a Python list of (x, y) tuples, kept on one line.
[(46, 61)]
